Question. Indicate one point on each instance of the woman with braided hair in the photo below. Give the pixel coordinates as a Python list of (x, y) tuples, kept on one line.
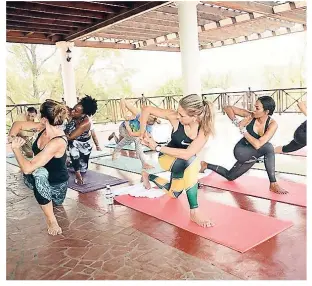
[(192, 124)]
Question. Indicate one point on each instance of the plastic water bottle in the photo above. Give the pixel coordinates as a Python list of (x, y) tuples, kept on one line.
[(109, 195)]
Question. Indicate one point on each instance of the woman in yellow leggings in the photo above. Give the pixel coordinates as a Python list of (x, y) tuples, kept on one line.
[(192, 124)]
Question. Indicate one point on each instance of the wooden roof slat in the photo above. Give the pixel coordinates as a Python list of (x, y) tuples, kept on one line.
[(18, 24), (146, 27), (138, 8), (52, 22), (223, 13), (45, 31), (200, 15), (257, 7), (120, 36), (156, 15), (39, 15), (81, 5), (104, 45), (29, 6), (153, 21)]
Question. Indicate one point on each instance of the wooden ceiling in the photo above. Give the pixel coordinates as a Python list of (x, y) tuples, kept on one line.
[(149, 25)]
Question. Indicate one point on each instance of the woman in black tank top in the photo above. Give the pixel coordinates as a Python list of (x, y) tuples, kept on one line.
[(46, 174), (257, 129), (192, 124)]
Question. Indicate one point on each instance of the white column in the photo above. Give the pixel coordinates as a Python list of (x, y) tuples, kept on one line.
[(189, 46), (68, 74)]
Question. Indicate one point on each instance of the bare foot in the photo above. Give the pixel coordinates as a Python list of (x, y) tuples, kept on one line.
[(79, 179), (54, 228), (196, 217), (147, 166), (278, 150), (203, 166), (114, 156), (145, 180), (275, 188)]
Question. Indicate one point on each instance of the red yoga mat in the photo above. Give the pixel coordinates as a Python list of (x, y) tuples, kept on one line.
[(259, 187), (301, 153), (234, 228)]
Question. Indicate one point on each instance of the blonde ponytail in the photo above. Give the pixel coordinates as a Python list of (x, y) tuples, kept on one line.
[(208, 119)]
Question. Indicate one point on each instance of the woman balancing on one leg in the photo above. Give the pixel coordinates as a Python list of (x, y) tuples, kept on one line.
[(300, 135), (192, 124), (257, 128), (46, 174), (129, 131), (79, 135)]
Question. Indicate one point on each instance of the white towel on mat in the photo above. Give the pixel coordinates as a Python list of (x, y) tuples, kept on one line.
[(139, 191)]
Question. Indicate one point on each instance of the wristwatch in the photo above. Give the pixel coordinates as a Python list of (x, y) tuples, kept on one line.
[(157, 148)]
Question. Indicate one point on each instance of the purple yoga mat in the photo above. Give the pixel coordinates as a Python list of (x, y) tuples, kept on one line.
[(93, 181)]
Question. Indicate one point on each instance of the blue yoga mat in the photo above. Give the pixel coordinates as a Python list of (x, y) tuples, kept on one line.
[(127, 164)]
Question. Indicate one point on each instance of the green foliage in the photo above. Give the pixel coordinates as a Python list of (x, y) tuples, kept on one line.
[(172, 86)]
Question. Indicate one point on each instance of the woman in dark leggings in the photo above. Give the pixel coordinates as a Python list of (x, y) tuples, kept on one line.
[(45, 174), (257, 128), (300, 135)]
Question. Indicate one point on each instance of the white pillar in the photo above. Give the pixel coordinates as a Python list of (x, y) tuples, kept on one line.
[(189, 46), (68, 74)]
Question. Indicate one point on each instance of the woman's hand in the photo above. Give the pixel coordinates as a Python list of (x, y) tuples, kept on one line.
[(148, 141), (17, 143)]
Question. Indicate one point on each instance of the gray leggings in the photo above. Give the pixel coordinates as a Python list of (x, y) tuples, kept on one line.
[(246, 156), (127, 140)]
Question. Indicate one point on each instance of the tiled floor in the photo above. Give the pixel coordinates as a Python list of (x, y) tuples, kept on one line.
[(95, 244), (119, 243)]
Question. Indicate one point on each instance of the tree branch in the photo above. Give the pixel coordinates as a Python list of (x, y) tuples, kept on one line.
[(42, 63)]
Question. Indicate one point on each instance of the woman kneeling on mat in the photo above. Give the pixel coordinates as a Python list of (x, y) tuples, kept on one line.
[(192, 124), (257, 128), (129, 131), (79, 135), (300, 135), (46, 174)]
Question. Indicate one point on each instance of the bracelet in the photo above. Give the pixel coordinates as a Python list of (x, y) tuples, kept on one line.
[(235, 121), (243, 130)]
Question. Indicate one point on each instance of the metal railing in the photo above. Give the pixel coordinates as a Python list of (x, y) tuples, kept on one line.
[(109, 110)]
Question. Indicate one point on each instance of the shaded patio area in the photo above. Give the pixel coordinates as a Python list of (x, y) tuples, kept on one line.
[(100, 243)]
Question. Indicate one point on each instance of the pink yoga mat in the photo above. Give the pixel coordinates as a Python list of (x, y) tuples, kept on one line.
[(234, 228), (301, 153), (259, 187)]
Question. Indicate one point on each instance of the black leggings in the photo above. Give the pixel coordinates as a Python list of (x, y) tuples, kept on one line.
[(246, 156), (300, 139)]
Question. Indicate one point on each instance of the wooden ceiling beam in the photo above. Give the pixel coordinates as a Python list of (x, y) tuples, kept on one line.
[(272, 11), (218, 25), (40, 15), (103, 45), (119, 36), (29, 6), (125, 14), (18, 24), (51, 22), (37, 30), (148, 26), (81, 5), (244, 39), (27, 40)]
